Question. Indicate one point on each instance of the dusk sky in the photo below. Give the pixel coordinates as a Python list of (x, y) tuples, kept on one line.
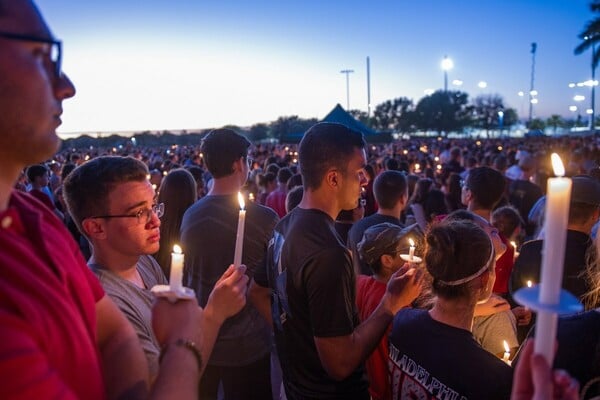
[(175, 64)]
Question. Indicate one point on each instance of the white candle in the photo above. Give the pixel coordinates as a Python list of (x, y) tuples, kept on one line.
[(553, 254), (506, 357), (239, 237), (175, 280), (529, 284), (411, 250)]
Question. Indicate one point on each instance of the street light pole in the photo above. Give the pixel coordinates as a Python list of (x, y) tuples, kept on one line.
[(347, 72), (593, 100), (446, 65), (531, 90)]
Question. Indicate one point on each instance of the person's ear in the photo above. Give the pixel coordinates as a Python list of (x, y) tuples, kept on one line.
[(94, 228), (332, 178)]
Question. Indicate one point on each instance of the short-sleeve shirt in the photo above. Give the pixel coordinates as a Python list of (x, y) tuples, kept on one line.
[(208, 236), (431, 360), (47, 308), (136, 303), (310, 273)]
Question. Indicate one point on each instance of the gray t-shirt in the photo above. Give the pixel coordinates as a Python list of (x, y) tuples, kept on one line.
[(136, 303), (208, 234)]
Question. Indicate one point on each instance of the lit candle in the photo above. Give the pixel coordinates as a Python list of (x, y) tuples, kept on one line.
[(175, 280), (506, 357), (529, 284), (553, 255), (411, 250), (239, 237), (251, 196)]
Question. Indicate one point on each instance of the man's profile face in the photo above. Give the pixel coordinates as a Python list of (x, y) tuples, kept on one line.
[(30, 91), (353, 179)]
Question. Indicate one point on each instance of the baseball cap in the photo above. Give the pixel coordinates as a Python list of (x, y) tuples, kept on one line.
[(380, 239)]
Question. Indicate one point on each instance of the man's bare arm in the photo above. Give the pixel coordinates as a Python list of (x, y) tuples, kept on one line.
[(123, 362)]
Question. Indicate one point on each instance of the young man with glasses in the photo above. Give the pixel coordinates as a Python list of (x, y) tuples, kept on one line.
[(241, 358), (113, 204)]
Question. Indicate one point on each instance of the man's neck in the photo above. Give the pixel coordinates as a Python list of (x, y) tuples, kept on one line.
[(390, 212), (226, 185), (320, 201), (123, 266), (583, 228), (486, 214)]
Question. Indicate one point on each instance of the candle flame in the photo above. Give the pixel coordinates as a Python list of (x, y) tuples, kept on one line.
[(529, 284), (557, 165), (177, 249), (241, 200), (513, 244), (412, 242), (506, 348)]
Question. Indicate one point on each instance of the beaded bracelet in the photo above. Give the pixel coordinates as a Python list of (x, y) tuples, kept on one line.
[(188, 344)]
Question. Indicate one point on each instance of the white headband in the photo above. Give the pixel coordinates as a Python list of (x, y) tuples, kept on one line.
[(473, 276)]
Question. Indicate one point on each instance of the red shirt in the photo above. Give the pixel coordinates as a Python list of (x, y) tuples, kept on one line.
[(47, 308), (368, 295), (276, 201), (504, 266)]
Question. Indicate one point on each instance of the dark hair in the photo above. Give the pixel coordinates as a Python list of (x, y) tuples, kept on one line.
[(507, 219), (221, 148), (198, 174), (453, 194), (487, 187), (272, 168), (265, 179), (391, 164), (66, 170), (326, 145), (581, 212), (435, 204), (35, 171), (455, 250), (389, 187), (284, 174), (295, 180), (87, 188), (422, 187), (293, 198), (178, 193)]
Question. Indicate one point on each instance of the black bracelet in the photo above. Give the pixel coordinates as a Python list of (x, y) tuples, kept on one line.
[(188, 344)]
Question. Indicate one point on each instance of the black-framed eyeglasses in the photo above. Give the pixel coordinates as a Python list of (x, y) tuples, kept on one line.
[(55, 53), (143, 216)]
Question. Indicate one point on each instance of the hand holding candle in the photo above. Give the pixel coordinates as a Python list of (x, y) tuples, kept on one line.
[(239, 237), (176, 278)]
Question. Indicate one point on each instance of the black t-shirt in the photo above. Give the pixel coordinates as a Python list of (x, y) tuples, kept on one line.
[(431, 360), (208, 236), (310, 273)]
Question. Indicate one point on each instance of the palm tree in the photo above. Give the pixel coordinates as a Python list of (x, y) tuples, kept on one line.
[(555, 121), (590, 37)]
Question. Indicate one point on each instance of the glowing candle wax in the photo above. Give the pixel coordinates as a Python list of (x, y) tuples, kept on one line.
[(553, 254), (239, 237), (175, 280)]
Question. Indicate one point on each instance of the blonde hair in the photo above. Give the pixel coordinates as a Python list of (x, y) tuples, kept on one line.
[(591, 274)]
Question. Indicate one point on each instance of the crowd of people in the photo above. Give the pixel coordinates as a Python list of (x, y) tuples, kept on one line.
[(328, 302)]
